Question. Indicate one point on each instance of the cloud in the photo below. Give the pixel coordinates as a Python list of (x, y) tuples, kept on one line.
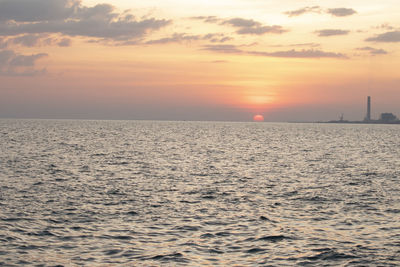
[(310, 45), (29, 40), (208, 19), (242, 23), (384, 26), (373, 51), (341, 12), (15, 64), (387, 37), (337, 12), (65, 42), (304, 10), (182, 37), (309, 53), (37, 10), (331, 32), (305, 44), (219, 61), (230, 49), (244, 26), (71, 18), (34, 40), (3, 43), (249, 26), (260, 30)]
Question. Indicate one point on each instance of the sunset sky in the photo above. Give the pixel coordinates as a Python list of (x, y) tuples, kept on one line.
[(288, 60)]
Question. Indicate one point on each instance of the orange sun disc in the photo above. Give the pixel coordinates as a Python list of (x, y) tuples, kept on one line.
[(258, 118)]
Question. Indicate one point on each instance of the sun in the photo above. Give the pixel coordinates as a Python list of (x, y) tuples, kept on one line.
[(258, 118)]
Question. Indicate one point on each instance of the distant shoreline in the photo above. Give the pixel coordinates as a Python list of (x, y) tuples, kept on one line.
[(361, 122)]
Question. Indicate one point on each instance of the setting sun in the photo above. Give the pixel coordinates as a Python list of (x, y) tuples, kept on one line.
[(258, 118)]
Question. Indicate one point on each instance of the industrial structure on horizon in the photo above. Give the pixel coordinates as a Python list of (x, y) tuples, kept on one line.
[(368, 117), (385, 118)]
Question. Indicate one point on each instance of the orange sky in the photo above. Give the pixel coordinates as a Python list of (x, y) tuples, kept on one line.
[(198, 60)]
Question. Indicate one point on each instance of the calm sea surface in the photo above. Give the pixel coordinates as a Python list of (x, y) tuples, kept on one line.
[(130, 193)]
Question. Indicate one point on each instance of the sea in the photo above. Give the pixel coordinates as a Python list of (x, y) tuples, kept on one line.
[(164, 193)]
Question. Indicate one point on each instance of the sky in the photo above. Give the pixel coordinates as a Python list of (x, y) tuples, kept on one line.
[(288, 60)]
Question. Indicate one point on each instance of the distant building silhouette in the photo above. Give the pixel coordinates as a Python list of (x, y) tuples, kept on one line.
[(388, 117), (368, 116)]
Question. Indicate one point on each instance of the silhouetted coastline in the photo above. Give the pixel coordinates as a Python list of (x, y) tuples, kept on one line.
[(361, 122), (385, 118)]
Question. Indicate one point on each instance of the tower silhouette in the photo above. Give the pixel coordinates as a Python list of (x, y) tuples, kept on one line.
[(368, 116)]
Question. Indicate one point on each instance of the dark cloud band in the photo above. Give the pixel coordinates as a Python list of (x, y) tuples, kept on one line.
[(69, 17)]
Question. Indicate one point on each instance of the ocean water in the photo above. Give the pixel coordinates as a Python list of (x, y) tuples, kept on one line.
[(147, 193)]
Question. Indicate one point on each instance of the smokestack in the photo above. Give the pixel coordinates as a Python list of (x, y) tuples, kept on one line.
[(368, 117)]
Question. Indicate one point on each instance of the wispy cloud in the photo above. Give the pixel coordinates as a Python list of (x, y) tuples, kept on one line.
[(387, 37), (341, 12), (64, 42), (310, 53), (219, 61), (183, 37), (230, 49), (3, 43), (373, 51), (337, 12), (34, 40), (297, 45), (304, 10), (244, 26), (304, 53), (385, 26), (15, 64), (305, 44), (331, 32), (208, 19)]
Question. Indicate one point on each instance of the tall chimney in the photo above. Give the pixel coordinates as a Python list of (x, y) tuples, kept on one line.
[(368, 117)]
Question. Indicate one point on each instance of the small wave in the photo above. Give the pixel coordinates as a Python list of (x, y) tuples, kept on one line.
[(189, 202), (208, 197), (7, 239), (370, 174), (393, 210), (98, 155), (200, 174), (175, 257), (264, 218), (42, 233), (115, 191), (112, 252), (31, 247), (132, 213), (186, 228), (117, 237), (255, 250), (223, 234), (208, 235), (329, 254), (273, 238), (313, 199), (12, 219), (122, 237), (215, 251)]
